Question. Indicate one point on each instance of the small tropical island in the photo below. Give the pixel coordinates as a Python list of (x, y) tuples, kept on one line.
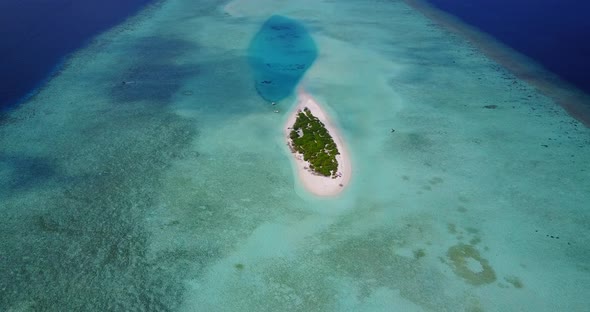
[(322, 161), (310, 138)]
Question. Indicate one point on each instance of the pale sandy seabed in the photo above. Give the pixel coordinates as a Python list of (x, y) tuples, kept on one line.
[(177, 192)]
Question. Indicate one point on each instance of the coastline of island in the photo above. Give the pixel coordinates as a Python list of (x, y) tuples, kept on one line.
[(316, 183)]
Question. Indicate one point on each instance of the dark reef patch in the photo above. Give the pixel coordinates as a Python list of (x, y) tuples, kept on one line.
[(467, 263), (155, 76), (24, 172)]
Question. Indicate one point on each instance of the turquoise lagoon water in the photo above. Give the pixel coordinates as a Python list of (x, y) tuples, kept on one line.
[(176, 192), (279, 54)]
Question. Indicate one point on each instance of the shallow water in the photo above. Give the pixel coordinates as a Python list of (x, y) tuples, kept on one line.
[(176, 191)]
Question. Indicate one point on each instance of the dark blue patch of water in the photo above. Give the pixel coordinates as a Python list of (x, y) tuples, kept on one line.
[(35, 35), (279, 55), (555, 33)]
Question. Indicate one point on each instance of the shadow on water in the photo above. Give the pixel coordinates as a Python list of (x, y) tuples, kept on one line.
[(279, 55)]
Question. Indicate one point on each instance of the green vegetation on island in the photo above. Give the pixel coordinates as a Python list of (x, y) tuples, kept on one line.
[(310, 138)]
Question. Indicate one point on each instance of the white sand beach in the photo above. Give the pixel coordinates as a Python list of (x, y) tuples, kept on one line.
[(317, 184)]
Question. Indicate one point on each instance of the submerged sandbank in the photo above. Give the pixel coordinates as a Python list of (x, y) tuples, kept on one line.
[(315, 183)]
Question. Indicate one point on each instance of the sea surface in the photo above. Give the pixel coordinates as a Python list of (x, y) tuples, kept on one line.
[(150, 173), (553, 33), (36, 35)]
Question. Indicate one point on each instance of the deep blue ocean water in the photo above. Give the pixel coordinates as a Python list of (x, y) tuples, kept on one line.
[(35, 35), (279, 54), (555, 33)]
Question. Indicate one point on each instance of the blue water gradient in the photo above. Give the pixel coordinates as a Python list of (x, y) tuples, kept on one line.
[(279, 55), (35, 35), (555, 33)]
